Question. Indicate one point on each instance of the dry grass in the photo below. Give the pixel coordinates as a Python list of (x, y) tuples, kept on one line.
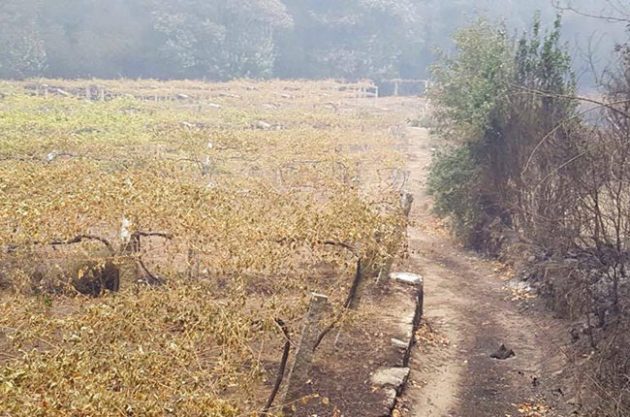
[(248, 181)]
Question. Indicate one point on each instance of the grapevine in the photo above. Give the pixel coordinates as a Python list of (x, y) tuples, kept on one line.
[(238, 224)]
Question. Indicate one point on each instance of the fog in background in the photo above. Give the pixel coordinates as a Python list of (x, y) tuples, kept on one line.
[(225, 39)]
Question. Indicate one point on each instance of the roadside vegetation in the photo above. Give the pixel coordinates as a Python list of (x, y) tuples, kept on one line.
[(539, 176)]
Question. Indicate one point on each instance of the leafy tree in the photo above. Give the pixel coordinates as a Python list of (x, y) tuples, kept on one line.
[(84, 38), (22, 53), (471, 86), (496, 98), (350, 39), (219, 39), (222, 39), (470, 89), (536, 135)]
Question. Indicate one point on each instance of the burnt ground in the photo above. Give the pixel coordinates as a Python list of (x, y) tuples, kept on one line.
[(469, 313), (340, 381)]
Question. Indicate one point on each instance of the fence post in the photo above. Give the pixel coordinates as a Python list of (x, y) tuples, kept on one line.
[(420, 305), (406, 200), (130, 247), (299, 374)]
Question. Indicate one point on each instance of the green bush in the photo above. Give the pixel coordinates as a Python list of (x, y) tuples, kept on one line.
[(468, 95), (470, 87), (495, 98), (454, 182)]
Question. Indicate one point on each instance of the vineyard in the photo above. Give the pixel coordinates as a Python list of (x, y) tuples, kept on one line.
[(157, 240)]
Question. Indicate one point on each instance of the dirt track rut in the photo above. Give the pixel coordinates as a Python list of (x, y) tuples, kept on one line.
[(471, 314)]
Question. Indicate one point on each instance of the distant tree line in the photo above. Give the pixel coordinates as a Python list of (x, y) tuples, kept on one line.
[(212, 39), (225, 39)]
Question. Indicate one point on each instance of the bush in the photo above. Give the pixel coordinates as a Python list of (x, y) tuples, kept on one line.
[(489, 103), (470, 87), (454, 180)]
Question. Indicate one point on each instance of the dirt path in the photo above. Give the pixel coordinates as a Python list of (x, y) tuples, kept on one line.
[(471, 313)]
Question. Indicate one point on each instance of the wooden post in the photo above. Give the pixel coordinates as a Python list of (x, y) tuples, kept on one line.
[(194, 264), (406, 200), (385, 270), (357, 289), (420, 304), (396, 88), (129, 248), (299, 374)]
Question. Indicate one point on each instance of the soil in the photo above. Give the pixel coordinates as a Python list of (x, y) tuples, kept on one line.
[(469, 314), (340, 380)]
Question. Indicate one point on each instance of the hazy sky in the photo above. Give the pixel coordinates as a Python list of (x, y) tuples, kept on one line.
[(589, 39)]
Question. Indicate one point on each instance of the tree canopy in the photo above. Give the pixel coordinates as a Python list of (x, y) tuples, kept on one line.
[(223, 39)]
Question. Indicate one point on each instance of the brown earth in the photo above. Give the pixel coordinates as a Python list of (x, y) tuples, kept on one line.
[(469, 313), (340, 381)]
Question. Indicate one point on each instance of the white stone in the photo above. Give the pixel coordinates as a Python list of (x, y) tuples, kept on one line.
[(125, 233), (390, 398), (261, 124), (393, 377), (400, 344), (406, 278), (51, 156)]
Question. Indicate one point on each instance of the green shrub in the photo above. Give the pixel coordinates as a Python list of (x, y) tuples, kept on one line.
[(495, 98), (454, 182), (470, 87)]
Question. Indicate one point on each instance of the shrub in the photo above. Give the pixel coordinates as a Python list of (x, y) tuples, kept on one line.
[(491, 103), (454, 180)]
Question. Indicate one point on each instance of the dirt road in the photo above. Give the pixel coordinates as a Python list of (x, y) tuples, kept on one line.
[(469, 314)]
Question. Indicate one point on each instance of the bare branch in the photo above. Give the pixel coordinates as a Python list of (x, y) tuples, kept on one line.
[(622, 16), (283, 365), (341, 245), (609, 106), (154, 278), (137, 234), (346, 305), (79, 239)]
